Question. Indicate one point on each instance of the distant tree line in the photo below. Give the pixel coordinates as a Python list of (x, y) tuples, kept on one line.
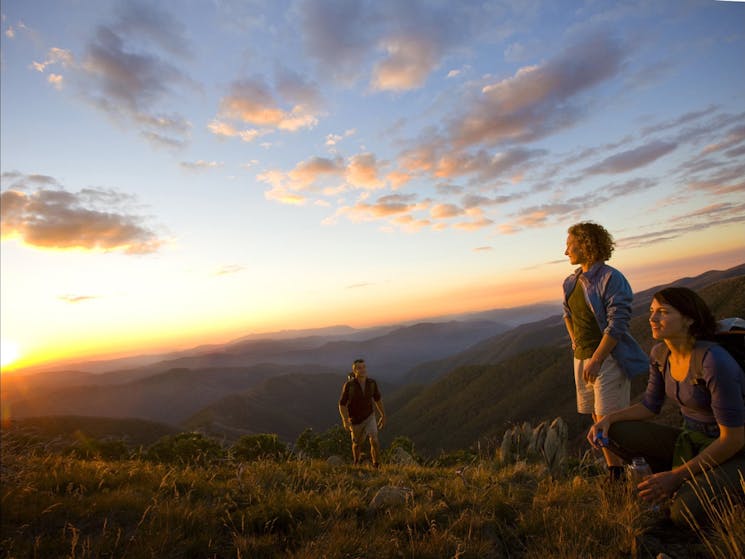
[(194, 448)]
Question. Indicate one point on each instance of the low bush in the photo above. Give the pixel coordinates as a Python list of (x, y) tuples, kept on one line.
[(184, 449), (259, 447)]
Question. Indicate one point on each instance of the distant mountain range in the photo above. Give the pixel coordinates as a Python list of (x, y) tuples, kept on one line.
[(333, 346), (445, 384)]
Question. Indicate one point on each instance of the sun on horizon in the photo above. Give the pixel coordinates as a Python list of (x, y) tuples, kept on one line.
[(9, 354)]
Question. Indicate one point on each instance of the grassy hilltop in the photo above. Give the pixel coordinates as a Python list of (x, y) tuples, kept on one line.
[(60, 503)]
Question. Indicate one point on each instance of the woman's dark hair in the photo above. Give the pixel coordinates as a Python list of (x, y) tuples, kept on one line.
[(690, 304)]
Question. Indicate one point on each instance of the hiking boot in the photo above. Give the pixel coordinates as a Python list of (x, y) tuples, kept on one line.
[(616, 474)]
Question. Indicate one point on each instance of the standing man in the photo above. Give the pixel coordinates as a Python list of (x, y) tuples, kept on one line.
[(357, 414), (597, 310)]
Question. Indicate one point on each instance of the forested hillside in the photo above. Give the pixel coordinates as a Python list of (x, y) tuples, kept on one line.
[(524, 374)]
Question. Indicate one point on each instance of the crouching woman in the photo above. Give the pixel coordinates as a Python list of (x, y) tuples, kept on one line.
[(705, 458)]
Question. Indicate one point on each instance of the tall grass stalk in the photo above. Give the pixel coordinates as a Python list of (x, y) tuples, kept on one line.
[(723, 533)]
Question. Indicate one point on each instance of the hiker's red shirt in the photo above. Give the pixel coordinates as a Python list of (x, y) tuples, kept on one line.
[(359, 402)]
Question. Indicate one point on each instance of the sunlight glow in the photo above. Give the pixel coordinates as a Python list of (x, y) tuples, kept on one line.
[(9, 353)]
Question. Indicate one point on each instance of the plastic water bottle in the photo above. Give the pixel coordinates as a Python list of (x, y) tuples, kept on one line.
[(639, 470)]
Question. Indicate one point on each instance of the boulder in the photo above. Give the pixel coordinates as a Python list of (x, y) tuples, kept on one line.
[(335, 461), (401, 457), (390, 496)]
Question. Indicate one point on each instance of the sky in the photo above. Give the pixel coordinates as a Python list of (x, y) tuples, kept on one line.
[(185, 172)]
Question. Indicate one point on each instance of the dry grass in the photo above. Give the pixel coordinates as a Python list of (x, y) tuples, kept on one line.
[(60, 506), (724, 533)]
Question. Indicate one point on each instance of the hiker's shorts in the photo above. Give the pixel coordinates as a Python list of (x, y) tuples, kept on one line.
[(368, 428), (611, 391)]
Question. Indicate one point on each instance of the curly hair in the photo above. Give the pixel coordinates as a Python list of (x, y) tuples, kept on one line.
[(690, 304), (595, 240)]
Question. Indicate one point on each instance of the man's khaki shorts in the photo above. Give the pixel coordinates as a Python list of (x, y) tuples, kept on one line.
[(611, 391), (368, 428)]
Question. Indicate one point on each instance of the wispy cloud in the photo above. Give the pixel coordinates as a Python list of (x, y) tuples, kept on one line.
[(75, 299), (229, 269), (200, 165), (398, 45), (123, 74), (632, 159), (538, 100)]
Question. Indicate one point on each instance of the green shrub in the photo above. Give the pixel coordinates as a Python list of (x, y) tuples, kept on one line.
[(87, 448), (456, 458), (185, 448), (259, 447), (334, 441), (404, 443), (307, 444)]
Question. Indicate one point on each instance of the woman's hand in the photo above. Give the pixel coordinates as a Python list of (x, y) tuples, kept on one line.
[(601, 426), (659, 487)]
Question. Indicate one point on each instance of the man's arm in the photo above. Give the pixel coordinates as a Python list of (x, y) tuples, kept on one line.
[(344, 407), (346, 422), (381, 412)]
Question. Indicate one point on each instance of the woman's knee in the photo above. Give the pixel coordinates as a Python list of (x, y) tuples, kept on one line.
[(687, 507), (704, 498)]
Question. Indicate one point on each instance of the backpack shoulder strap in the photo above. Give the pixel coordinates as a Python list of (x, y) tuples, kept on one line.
[(697, 360), (350, 388), (659, 355)]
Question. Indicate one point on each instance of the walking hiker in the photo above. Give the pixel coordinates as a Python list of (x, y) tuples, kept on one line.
[(704, 461), (358, 396), (597, 311)]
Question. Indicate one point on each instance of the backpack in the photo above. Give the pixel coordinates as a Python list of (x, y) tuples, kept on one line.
[(731, 336), (354, 386)]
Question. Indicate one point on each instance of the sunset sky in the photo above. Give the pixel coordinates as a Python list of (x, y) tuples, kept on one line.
[(190, 171)]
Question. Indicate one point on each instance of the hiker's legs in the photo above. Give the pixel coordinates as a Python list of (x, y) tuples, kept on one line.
[(653, 441), (613, 460), (702, 498), (610, 392), (358, 437), (375, 450), (370, 429)]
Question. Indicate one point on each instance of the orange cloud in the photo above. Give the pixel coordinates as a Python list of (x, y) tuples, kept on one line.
[(219, 128), (410, 60), (57, 219), (397, 179), (252, 101), (312, 170), (362, 172), (444, 211)]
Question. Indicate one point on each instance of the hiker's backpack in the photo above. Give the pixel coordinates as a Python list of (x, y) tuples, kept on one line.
[(354, 386), (730, 336)]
